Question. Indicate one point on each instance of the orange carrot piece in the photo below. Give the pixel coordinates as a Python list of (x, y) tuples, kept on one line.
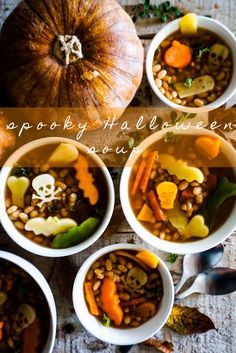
[(134, 301), (138, 177), (178, 55), (8, 284), (211, 181), (89, 296), (147, 171), (158, 213), (187, 193), (85, 179), (1, 330), (111, 301)]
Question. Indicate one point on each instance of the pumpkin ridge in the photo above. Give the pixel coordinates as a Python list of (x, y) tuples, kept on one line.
[(47, 8)]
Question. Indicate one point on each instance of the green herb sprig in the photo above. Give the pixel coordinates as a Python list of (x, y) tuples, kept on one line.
[(164, 12), (106, 321), (188, 82), (172, 258)]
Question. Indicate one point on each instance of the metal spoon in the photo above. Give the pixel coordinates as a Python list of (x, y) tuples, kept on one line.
[(198, 263), (218, 281)]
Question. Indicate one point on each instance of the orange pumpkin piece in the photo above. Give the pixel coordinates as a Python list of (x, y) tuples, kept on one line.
[(145, 214), (178, 55), (111, 301), (150, 259), (146, 310), (89, 296), (209, 145), (86, 180)]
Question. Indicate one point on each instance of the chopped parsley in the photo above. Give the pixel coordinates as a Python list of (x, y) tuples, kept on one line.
[(171, 137), (199, 51), (188, 82), (172, 258), (106, 321), (21, 171)]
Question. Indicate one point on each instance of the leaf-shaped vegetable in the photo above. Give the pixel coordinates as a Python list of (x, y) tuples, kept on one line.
[(195, 228), (18, 188), (180, 169), (76, 235), (187, 321), (224, 190), (177, 217)]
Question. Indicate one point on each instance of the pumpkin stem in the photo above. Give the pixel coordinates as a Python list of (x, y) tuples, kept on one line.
[(67, 49)]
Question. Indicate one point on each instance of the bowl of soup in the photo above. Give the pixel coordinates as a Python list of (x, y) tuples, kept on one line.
[(27, 308), (178, 194), (56, 198), (123, 294), (191, 67)]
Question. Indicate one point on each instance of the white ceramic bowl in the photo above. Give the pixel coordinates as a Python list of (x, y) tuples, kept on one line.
[(115, 335), (21, 239), (40, 280), (203, 22), (189, 247)]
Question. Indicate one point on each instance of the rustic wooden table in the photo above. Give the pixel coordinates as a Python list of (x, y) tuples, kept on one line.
[(60, 273)]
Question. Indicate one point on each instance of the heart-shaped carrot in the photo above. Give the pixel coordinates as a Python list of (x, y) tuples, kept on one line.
[(209, 145)]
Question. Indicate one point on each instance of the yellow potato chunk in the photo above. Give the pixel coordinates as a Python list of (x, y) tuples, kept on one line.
[(189, 24), (177, 217), (63, 154), (147, 257), (145, 214), (18, 188)]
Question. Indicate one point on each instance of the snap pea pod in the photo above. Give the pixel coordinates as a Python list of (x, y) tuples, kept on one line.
[(76, 234), (224, 190)]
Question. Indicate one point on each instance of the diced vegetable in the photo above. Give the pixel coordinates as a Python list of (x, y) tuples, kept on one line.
[(1, 330), (134, 302), (49, 226), (167, 192), (150, 259), (76, 235), (132, 257), (64, 153), (209, 146), (178, 55), (177, 217), (199, 85), (180, 169), (188, 24), (146, 310), (187, 193), (110, 301), (152, 157), (18, 188), (89, 296), (196, 228), (145, 214), (138, 177), (86, 181), (224, 190), (3, 297), (158, 213)]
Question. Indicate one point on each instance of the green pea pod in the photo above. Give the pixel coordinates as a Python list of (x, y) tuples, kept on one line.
[(76, 234), (224, 190)]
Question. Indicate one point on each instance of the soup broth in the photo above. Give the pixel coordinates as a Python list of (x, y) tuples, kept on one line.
[(24, 313), (176, 195), (59, 196)]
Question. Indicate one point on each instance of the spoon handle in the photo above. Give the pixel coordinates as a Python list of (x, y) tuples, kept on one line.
[(198, 286), (184, 294), (181, 282)]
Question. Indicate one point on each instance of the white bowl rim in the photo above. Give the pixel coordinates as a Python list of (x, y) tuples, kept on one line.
[(38, 277), (29, 245), (204, 22), (114, 335), (190, 247)]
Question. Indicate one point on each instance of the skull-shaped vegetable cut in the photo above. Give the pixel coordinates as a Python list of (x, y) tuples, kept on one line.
[(136, 278), (217, 55), (44, 185), (24, 318)]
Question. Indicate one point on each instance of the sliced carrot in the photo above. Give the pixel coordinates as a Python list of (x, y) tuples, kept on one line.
[(138, 177), (85, 179), (134, 301), (158, 213), (187, 193), (89, 296), (147, 171), (211, 181), (178, 55), (110, 301), (1, 330)]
